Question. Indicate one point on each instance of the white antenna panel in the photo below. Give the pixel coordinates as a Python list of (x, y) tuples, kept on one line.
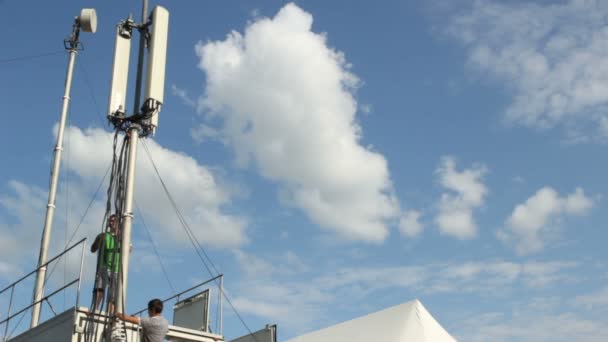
[(155, 82), (120, 72)]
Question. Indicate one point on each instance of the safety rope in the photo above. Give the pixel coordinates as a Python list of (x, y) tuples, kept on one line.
[(195, 243)]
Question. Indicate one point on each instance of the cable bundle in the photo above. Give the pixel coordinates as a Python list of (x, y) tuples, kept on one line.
[(115, 200)]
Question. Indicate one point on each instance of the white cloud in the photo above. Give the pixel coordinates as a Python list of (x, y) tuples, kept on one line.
[(294, 263), (194, 188), (287, 106), (496, 277), (252, 264), (21, 228), (455, 216), (8, 271), (541, 274), (22, 211), (367, 109), (301, 299), (291, 305), (202, 133), (529, 220), (592, 300), (556, 318), (529, 324), (182, 94), (552, 55), (196, 191), (409, 224)]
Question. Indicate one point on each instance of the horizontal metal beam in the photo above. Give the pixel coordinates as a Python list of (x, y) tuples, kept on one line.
[(181, 293), (41, 300), (46, 263)]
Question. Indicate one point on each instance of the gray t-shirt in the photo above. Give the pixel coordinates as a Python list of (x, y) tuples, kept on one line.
[(154, 328)]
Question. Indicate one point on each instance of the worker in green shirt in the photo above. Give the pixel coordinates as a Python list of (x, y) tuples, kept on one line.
[(108, 263)]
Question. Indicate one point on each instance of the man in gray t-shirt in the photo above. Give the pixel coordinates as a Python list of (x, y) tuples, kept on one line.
[(155, 327)]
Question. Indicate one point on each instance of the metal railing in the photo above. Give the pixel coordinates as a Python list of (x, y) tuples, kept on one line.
[(177, 297), (12, 286)]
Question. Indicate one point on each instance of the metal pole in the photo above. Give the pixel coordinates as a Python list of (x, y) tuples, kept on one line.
[(140, 60), (80, 277), (8, 314), (50, 207), (221, 306), (127, 219)]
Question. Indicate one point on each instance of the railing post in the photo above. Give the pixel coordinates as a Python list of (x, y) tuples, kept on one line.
[(44, 298), (221, 306), (8, 313), (80, 276)]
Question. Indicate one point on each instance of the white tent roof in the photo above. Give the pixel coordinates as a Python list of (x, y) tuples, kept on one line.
[(405, 322)]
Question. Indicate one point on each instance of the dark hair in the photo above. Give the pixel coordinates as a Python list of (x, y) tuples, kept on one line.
[(113, 217), (155, 306)]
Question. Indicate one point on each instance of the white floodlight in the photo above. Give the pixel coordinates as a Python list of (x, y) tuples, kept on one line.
[(120, 71), (155, 81), (88, 20)]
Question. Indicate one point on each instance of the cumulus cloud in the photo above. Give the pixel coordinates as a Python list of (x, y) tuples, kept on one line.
[(409, 224), (467, 192), (552, 55), (286, 104), (195, 189), (531, 219), (22, 210), (202, 133), (23, 207)]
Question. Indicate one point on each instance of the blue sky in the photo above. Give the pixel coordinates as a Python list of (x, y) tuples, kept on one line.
[(336, 158)]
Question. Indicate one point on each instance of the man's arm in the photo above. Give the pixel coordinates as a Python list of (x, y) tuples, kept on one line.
[(95, 245), (127, 318)]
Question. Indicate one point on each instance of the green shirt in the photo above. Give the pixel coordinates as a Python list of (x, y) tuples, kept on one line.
[(111, 253)]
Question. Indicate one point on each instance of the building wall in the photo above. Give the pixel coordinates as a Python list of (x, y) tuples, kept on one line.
[(268, 334), (58, 328), (70, 326)]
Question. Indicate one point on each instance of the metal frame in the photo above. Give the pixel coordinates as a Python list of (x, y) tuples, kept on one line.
[(220, 276), (176, 333), (206, 293), (12, 286)]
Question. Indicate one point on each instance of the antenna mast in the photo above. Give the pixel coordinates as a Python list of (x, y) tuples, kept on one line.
[(144, 120), (87, 21)]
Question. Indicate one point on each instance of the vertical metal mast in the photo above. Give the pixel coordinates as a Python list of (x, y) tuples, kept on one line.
[(127, 219), (144, 119), (133, 132), (88, 22)]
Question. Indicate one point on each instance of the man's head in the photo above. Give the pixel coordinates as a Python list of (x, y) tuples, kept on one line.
[(155, 307), (113, 223)]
